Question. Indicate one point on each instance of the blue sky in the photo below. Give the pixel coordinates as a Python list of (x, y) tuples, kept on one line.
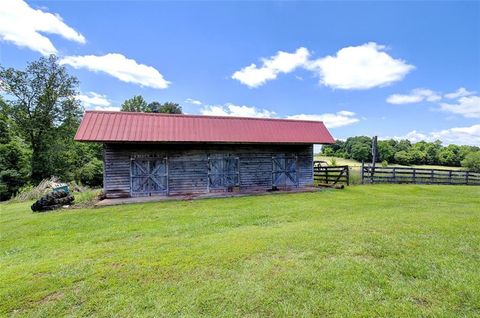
[(392, 69)]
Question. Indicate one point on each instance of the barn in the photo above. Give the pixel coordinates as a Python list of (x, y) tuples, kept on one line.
[(148, 154)]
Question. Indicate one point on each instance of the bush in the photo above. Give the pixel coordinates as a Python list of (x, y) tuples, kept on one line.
[(402, 157), (384, 163), (91, 174), (472, 161), (333, 161)]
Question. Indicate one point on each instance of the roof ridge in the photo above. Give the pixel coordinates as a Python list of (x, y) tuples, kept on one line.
[(201, 116)]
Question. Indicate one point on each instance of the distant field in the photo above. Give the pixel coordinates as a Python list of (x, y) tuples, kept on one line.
[(354, 163), (366, 251)]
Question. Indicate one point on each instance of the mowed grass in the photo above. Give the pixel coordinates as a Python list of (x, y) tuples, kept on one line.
[(383, 250)]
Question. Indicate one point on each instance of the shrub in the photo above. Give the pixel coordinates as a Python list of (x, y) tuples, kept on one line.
[(403, 157), (384, 163), (333, 161), (91, 173), (472, 161)]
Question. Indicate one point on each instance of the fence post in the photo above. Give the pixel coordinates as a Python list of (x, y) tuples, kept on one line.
[(450, 177), (394, 174), (466, 177), (361, 172), (431, 176), (414, 176), (326, 175), (348, 175)]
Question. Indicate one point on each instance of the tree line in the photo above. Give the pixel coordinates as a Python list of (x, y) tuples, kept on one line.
[(405, 153), (39, 116)]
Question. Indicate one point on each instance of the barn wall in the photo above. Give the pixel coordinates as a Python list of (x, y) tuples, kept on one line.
[(188, 165)]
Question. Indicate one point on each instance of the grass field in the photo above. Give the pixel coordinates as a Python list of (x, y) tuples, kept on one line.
[(383, 250), (354, 163)]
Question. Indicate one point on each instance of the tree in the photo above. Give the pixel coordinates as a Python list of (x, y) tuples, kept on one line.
[(134, 104), (361, 152), (358, 148), (472, 161), (42, 99), (14, 167), (170, 108), (154, 107), (404, 145), (14, 158), (385, 150), (402, 157)]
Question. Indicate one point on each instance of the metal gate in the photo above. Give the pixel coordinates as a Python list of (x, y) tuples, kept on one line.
[(284, 171), (149, 176), (223, 173)]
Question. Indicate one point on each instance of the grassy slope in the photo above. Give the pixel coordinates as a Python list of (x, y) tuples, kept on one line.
[(378, 250), (354, 163)]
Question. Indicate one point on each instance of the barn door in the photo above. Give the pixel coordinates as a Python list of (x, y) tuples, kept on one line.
[(284, 171), (149, 176), (223, 173)]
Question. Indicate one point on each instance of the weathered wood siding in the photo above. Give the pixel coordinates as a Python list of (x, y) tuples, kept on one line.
[(188, 165)]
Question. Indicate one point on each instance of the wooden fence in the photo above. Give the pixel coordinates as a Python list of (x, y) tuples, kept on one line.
[(331, 174), (418, 176)]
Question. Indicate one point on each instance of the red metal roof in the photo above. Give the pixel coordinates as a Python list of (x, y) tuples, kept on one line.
[(103, 126)]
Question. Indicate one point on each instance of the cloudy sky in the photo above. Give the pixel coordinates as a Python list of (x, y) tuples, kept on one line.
[(398, 69)]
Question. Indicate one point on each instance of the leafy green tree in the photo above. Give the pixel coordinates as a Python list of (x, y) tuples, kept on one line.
[(472, 161), (42, 98), (404, 145), (134, 104), (359, 148), (360, 152), (417, 157), (170, 108), (154, 107), (328, 151), (449, 156), (91, 173), (402, 157), (386, 150), (431, 152)]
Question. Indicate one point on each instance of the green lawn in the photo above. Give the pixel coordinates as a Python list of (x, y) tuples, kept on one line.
[(383, 250)]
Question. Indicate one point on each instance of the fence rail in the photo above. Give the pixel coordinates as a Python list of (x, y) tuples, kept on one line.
[(331, 174), (418, 176)]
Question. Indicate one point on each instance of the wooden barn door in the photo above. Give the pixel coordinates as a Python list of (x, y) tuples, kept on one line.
[(149, 176), (284, 171), (223, 173)]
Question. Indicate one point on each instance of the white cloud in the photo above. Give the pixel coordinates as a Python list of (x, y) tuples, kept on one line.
[(22, 25), (236, 110), (360, 67), (457, 135), (331, 120), (415, 96), (193, 101), (108, 108), (354, 67), (93, 99), (461, 92), (120, 67), (468, 106), (282, 62)]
